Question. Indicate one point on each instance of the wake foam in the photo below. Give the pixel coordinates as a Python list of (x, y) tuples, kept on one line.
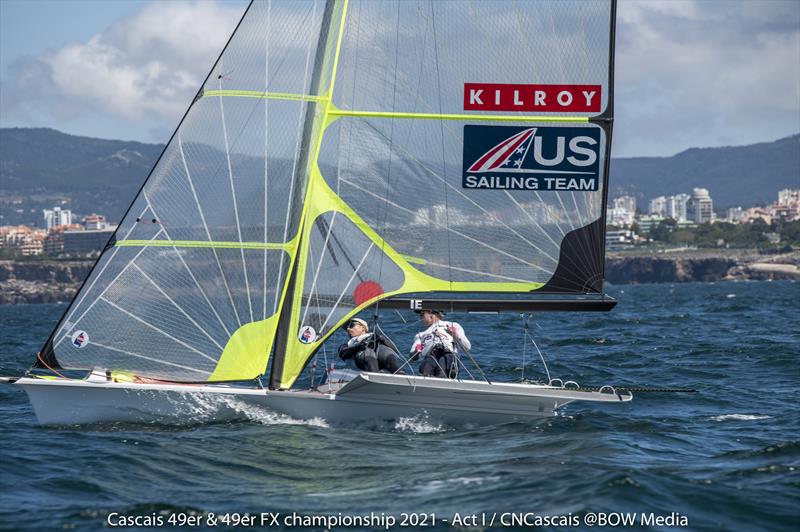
[(221, 407)]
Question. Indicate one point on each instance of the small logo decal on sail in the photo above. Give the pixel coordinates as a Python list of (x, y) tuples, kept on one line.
[(307, 334), (531, 158), (80, 339)]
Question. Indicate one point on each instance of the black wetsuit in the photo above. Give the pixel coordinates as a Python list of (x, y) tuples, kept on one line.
[(374, 353), (440, 362)]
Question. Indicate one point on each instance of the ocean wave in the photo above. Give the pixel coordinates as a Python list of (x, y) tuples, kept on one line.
[(740, 417), (790, 448), (467, 481)]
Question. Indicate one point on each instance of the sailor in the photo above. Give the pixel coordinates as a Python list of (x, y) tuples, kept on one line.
[(437, 345), (369, 351)]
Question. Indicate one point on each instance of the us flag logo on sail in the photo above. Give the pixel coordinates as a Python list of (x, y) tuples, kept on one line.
[(80, 339), (531, 158)]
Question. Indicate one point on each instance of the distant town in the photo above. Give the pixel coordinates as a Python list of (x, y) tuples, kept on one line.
[(689, 220), (61, 236), (678, 222)]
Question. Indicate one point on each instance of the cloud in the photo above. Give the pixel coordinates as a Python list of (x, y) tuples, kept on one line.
[(689, 72), (144, 67), (695, 73)]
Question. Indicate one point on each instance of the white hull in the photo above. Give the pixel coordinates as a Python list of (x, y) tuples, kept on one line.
[(366, 397)]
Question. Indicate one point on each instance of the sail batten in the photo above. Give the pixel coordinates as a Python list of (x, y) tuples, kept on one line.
[(264, 95)]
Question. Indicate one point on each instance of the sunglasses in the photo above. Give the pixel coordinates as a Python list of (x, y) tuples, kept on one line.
[(353, 324)]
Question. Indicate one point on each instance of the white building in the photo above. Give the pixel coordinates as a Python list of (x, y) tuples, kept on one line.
[(622, 211), (789, 196), (620, 217), (619, 239), (625, 202), (734, 215), (95, 222), (658, 206), (700, 208), (57, 216), (647, 222), (676, 207)]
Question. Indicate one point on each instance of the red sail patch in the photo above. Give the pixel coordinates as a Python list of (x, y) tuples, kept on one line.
[(523, 97)]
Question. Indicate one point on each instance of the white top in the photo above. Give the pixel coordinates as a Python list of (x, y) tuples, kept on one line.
[(357, 339), (438, 334)]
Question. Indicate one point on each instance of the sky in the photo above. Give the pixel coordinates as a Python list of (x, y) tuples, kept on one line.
[(689, 73)]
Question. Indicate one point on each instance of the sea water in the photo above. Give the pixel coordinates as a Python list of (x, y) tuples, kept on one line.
[(724, 458)]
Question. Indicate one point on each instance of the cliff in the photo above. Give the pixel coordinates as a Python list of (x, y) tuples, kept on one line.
[(53, 281), (701, 268), (40, 281)]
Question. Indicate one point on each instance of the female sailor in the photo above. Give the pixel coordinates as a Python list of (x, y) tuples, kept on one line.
[(368, 351), (437, 345)]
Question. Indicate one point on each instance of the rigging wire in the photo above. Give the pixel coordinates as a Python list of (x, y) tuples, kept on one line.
[(441, 129), (524, 344), (382, 219), (529, 337)]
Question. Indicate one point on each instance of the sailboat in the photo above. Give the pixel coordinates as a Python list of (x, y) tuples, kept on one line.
[(346, 155)]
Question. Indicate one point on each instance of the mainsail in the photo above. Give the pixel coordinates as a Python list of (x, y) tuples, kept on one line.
[(344, 152)]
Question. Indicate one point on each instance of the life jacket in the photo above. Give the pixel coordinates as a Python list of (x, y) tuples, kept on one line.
[(433, 336)]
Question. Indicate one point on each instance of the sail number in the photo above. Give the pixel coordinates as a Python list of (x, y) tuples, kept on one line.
[(416, 304)]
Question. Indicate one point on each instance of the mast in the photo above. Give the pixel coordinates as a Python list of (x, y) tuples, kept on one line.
[(283, 332)]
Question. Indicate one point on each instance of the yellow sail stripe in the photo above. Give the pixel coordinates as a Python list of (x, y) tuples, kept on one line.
[(414, 260), (203, 244), (333, 112), (265, 95), (465, 117)]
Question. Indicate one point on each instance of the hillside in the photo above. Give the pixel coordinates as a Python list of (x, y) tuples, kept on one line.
[(41, 167), (740, 175)]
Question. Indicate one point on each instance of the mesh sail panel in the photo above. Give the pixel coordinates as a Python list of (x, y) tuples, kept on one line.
[(416, 56), (408, 129), (345, 272), (191, 289), (404, 178), (341, 152)]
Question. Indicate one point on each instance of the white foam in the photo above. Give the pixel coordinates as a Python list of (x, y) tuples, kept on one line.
[(268, 417), (739, 417), (419, 424), (215, 407), (731, 296), (436, 485)]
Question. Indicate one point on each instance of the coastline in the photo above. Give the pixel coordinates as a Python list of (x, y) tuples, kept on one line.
[(701, 266), (53, 281)]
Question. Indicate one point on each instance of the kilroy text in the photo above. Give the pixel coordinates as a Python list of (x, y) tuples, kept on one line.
[(523, 97)]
